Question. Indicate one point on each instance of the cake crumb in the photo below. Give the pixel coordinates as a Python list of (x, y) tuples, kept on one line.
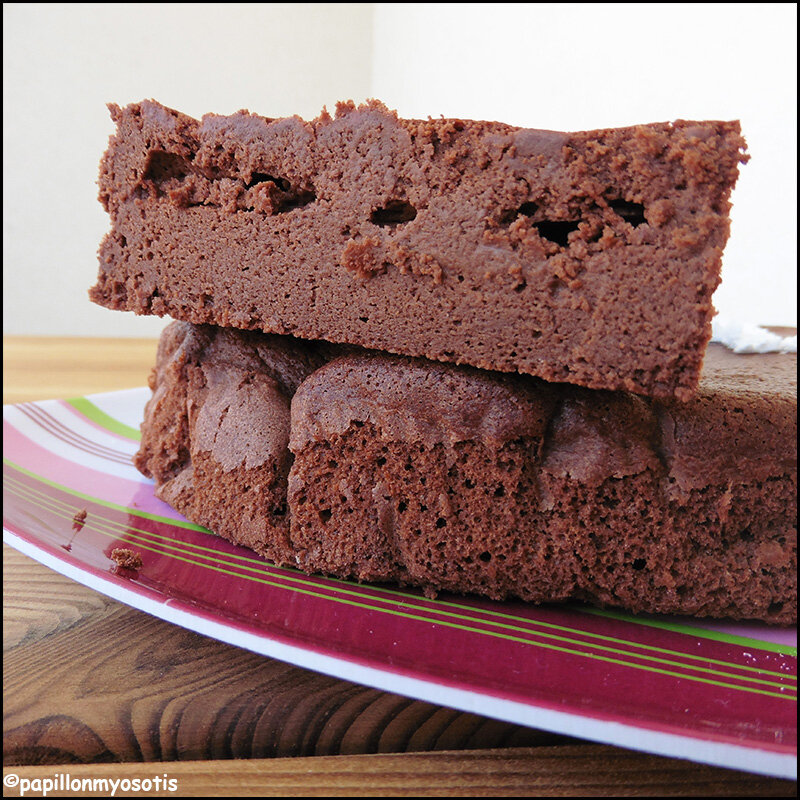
[(78, 520), (128, 559)]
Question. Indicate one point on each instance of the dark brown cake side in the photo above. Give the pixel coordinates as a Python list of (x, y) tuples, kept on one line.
[(456, 479), (216, 431), (587, 258)]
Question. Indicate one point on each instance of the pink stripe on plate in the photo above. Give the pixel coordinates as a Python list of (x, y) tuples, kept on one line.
[(113, 489), (65, 404)]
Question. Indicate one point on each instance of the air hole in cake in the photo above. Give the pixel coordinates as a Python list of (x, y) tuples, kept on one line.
[(162, 166), (298, 200), (499, 491), (556, 231), (282, 196), (441, 522), (485, 556), (381, 461), (632, 213), (325, 515), (402, 506), (262, 177), (393, 213), (639, 563), (528, 209)]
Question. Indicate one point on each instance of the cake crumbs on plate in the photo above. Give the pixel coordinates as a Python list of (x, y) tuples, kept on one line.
[(126, 558)]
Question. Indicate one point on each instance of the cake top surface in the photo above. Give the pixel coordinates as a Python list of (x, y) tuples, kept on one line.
[(247, 122), (760, 375), (417, 400)]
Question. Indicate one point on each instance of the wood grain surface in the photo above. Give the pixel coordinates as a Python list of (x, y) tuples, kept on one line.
[(48, 367), (567, 771), (89, 683)]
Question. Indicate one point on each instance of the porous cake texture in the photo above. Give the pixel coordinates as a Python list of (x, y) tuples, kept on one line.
[(588, 258), (386, 468)]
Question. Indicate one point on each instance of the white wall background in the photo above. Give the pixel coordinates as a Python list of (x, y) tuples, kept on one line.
[(62, 62), (577, 66), (559, 66)]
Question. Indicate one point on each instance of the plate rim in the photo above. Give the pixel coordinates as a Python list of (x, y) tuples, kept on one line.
[(715, 753)]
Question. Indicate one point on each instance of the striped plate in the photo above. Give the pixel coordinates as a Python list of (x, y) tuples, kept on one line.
[(717, 693)]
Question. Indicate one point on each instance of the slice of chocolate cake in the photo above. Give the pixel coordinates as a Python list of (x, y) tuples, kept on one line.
[(451, 478), (588, 258)]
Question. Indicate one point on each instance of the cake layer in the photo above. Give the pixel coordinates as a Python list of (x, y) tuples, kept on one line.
[(588, 258), (390, 469), (216, 430)]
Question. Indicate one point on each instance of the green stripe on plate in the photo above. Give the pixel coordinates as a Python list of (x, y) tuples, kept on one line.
[(691, 630), (99, 417)]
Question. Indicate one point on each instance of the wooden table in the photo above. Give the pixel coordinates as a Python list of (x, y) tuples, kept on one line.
[(89, 682)]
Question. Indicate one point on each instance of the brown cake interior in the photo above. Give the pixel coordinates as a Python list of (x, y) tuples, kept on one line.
[(587, 258)]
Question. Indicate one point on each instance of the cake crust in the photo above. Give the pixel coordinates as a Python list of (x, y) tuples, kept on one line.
[(216, 431), (587, 258)]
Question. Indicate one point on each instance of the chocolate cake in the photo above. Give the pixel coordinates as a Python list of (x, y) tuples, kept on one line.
[(387, 468), (216, 430), (588, 258)]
